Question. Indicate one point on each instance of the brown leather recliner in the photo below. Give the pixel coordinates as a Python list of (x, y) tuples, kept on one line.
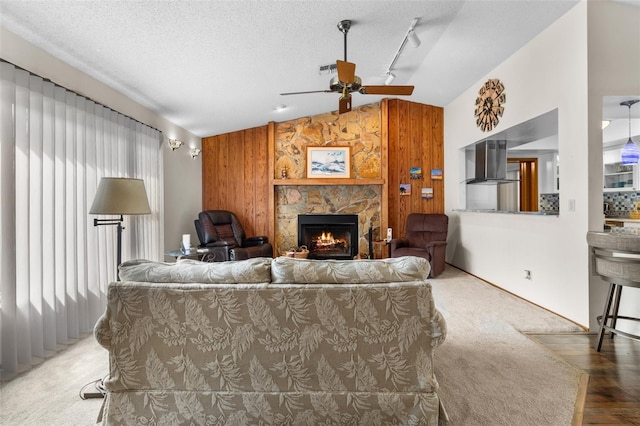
[(426, 237), (222, 236)]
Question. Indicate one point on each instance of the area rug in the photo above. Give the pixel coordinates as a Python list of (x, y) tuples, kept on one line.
[(490, 373)]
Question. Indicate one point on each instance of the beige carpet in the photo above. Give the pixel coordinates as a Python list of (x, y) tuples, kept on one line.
[(489, 372), (49, 393)]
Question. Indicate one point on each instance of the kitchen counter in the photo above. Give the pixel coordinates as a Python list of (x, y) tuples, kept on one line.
[(539, 213), (621, 219)]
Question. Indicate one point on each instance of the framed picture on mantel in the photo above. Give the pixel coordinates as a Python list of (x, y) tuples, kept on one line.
[(328, 162)]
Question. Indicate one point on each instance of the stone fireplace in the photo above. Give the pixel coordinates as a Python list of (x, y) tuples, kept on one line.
[(361, 195), (329, 236)]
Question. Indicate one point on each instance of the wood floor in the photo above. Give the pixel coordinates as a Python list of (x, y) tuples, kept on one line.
[(612, 395)]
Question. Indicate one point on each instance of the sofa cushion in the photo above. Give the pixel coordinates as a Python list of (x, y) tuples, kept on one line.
[(256, 270), (400, 269)]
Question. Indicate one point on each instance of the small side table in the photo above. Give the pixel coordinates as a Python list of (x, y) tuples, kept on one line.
[(210, 254), (178, 254), (381, 249)]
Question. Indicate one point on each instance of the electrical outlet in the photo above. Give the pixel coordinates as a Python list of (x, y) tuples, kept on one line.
[(527, 274)]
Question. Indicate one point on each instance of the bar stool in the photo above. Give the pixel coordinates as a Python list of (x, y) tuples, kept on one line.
[(615, 258)]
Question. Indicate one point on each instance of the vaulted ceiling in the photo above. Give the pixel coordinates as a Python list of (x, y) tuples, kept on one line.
[(218, 66)]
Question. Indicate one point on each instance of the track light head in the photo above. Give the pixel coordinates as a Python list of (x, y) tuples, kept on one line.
[(413, 38), (390, 77)]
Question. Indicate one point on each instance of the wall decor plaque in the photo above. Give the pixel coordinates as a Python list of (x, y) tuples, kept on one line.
[(489, 103)]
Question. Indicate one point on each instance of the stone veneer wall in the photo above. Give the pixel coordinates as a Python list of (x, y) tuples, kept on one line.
[(359, 129)]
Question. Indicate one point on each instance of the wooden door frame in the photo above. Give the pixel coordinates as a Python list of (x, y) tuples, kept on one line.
[(528, 183)]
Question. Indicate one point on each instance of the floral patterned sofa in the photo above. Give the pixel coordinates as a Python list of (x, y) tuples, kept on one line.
[(272, 341)]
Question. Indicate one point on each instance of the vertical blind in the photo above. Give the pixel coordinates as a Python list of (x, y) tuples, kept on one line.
[(54, 264)]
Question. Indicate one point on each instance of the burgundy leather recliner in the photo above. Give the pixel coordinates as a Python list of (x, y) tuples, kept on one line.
[(221, 234), (426, 237)]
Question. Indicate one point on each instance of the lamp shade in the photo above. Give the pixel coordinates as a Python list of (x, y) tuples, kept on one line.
[(120, 196), (630, 153)]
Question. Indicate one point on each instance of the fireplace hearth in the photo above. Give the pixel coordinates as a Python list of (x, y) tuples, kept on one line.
[(329, 236)]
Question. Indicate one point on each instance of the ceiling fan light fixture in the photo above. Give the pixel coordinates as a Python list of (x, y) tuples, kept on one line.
[(390, 77), (630, 152), (347, 82)]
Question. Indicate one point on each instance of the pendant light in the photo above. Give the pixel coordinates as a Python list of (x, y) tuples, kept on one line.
[(630, 152)]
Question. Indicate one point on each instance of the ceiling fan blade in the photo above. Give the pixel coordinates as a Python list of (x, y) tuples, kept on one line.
[(310, 91), (345, 103), (386, 90), (346, 71)]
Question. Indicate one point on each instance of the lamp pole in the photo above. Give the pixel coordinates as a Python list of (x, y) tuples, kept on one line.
[(118, 222)]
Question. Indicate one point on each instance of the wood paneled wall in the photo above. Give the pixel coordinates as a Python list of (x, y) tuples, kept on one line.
[(415, 136), (235, 178), (237, 169)]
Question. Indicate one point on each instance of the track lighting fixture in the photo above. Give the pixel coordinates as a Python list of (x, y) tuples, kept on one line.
[(174, 144), (413, 39)]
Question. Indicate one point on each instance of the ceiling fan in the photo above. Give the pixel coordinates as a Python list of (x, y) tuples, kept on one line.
[(347, 82)]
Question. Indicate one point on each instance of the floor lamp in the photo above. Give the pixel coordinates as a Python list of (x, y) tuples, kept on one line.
[(119, 196)]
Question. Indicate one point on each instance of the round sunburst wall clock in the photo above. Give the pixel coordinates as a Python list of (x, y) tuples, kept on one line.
[(489, 102)]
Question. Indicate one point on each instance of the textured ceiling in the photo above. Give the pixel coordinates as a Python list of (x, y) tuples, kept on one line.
[(219, 66)]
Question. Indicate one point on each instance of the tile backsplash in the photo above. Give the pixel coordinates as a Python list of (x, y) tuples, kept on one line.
[(621, 203), (549, 202)]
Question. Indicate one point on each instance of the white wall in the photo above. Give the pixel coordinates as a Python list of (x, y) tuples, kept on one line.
[(614, 70), (549, 72), (182, 175)]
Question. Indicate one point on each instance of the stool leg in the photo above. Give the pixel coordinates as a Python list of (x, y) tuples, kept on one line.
[(616, 305), (605, 315)]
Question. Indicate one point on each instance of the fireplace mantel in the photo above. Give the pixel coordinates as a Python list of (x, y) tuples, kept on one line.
[(326, 181)]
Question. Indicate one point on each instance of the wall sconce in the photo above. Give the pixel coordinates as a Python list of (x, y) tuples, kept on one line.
[(174, 144), (195, 152)]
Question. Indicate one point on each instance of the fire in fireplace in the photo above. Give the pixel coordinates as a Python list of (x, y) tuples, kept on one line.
[(329, 236)]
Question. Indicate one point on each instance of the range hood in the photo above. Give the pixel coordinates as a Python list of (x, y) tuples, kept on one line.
[(490, 163)]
